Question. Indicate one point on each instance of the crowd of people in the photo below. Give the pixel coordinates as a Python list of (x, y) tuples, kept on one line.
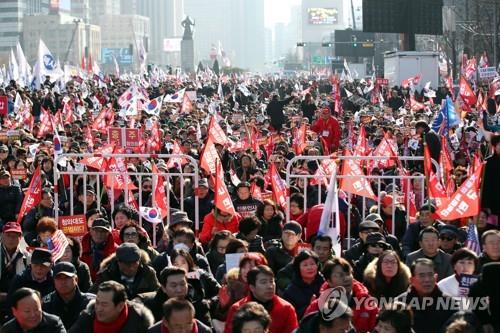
[(257, 263)]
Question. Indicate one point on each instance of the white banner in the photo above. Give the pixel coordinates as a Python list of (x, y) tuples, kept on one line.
[(172, 45)]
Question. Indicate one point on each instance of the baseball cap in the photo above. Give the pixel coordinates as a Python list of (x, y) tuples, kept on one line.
[(293, 226), (3, 147), (449, 230), (376, 238), (41, 256), (203, 182), (178, 217), (101, 223), (12, 227), (243, 184), (428, 206), (65, 268), (374, 217), (128, 252)]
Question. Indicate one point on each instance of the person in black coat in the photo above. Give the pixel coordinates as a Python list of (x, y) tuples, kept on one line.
[(67, 301), (275, 111), (491, 181), (11, 198), (308, 107), (205, 202), (487, 288), (23, 300), (306, 282)]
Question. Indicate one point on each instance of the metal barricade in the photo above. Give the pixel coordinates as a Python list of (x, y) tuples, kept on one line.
[(390, 179), (96, 178)]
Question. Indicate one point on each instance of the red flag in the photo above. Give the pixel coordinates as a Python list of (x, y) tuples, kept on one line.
[(222, 199), (98, 162), (46, 124), (445, 162), (176, 162), (386, 148), (466, 92), (68, 113), (82, 64), (159, 195), (411, 81), (255, 191), (465, 202), (269, 146), (255, 142), (100, 121), (33, 195), (358, 184), (90, 69), (361, 145), (216, 132), (119, 180), (209, 157), (279, 187), (299, 139), (153, 143), (187, 106), (132, 202), (409, 194), (415, 105)]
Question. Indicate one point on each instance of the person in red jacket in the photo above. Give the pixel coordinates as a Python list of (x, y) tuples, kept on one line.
[(218, 221), (328, 128), (263, 290), (338, 273), (97, 245)]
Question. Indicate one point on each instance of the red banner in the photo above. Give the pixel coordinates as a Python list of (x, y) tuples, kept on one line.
[(465, 202), (73, 225), (159, 195), (209, 157), (358, 184), (115, 136), (222, 199), (466, 92), (279, 187), (33, 195), (382, 81), (4, 106)]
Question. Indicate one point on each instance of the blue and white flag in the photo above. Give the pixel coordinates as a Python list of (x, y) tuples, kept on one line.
[(447, 117), (154, 106), (330, 217), (46, 65)]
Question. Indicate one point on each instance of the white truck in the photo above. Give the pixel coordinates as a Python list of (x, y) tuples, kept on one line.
[(399, 66)]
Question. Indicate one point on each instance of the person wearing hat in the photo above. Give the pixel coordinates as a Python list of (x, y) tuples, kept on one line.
[(328, 129), (4, 153), (38, 275), (11, 198), (388, 203), (205, 201), (13, 260), (410, 241), (44, 209), (374, 245), (129, 266), (218, 220), (86, 200), (97, 245), (66, 301), (449, 238), (244, 203), (28, 315), (281, 252), (429, 248)]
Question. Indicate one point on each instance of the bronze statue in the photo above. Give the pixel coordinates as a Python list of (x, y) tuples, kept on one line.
[(188, 31)]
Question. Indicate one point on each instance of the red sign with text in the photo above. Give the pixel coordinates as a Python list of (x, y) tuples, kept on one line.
[(73, 225), (4, 105)]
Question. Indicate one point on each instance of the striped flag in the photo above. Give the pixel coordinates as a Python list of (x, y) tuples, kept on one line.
[(57, 244), (472, 241), (330, 218)]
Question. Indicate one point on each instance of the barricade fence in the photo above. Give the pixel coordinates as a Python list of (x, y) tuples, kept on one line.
[(294, 176), (116, 187)]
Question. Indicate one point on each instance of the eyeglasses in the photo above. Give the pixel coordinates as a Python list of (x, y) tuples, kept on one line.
[(379, 245), (446, 238)]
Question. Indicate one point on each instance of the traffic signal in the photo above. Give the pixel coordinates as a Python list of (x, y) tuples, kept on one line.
[(301, 44), (354, 40), (326, 44)]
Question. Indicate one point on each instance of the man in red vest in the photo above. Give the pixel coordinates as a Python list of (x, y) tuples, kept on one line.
[(328, 129)]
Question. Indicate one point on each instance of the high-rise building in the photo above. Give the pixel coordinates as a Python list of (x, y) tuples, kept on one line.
[(165, 19), (125, 34), (81, 9), (99, 8), (268, 47), (11, 20), (237, 24), (67, 37)]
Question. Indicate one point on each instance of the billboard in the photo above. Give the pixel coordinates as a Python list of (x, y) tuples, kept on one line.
[(172, 44), (123, 55), (323, 16)]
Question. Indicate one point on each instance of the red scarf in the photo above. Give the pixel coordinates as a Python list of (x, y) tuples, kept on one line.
[(115, 326), (164, 328)]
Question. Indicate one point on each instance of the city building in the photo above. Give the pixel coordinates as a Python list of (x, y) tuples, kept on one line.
[(67, 37), (122, 36)]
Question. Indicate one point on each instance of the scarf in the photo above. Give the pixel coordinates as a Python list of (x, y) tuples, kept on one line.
[(164, 328), (115, 326)]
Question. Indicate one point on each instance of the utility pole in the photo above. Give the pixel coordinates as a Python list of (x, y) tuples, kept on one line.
[(353, 16), (495, 34)]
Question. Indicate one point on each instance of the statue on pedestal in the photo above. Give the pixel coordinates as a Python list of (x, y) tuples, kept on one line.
[(188, 31)]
